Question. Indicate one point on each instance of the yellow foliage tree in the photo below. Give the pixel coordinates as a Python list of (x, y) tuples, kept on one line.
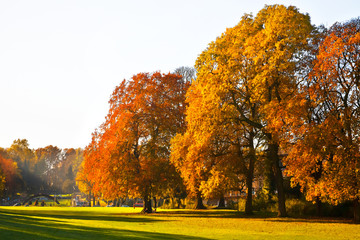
[(246, 85)]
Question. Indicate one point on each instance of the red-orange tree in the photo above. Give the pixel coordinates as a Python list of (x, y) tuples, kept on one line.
[(325, 159), (9, 176), (130, 154)]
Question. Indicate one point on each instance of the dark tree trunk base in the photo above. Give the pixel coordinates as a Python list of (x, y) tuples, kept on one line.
[(199, 202), (318, 207), (147, 206), (356, 211), (221, 202)]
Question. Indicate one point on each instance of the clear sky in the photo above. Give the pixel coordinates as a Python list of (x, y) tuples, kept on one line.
[(61, 59)]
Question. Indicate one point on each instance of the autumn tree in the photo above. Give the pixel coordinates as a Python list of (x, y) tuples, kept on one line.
[(246, 85), (68, 168), (328, 151), (48, 160), (2, 182), (188, 73), (20, 152), (10, 178), (130, 152)]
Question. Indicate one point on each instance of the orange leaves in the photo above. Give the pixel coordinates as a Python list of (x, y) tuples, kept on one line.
[(324, 160), (8, 174), (129, 154)]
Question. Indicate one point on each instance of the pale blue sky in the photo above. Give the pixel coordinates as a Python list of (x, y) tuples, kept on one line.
[(61, 60)]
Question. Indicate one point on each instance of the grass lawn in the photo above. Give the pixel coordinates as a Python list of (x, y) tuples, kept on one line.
[(126, 223)]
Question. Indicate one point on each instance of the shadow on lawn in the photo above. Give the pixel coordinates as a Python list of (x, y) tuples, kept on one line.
[(215, 214), (33, 226), (76, 215), (266, 216)]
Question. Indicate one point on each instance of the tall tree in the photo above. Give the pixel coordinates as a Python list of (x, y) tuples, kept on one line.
[(131, 150), (246, 83), (329, 148)]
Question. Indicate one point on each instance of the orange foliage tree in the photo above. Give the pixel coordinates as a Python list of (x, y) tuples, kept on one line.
[(325, 158), (9, 175), (129, 154)]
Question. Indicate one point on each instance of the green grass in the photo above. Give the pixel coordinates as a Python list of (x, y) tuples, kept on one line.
[(126, 223)]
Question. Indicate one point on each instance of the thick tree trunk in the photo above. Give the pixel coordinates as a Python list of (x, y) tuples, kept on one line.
[(199, 201), (93, 200), (147, 206), (221, 202), (274, 158), (147, 203), (356, 211)]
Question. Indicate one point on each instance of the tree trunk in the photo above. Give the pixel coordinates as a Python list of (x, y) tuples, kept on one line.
[(93, 200), (318, 207), (155, 202), (249, 182), (147, 203), (221, 202), (356, 211), (274, 158), (269, 182), (248, 203), (199, 201), (178, 203), (89, 198)]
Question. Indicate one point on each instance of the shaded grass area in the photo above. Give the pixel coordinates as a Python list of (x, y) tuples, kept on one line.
[(126, 223)]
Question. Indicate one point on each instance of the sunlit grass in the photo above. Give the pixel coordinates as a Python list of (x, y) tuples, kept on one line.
[(128, 223)]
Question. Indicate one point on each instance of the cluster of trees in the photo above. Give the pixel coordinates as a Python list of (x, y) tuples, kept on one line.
[(43, 170), (273, 96)]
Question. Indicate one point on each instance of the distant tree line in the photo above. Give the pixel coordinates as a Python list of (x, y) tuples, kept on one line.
[(44, 170)]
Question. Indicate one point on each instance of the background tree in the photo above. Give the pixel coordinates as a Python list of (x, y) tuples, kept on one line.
[(188, 73), (20, 152), (48, 160), (68, 167), (10, 178), (2, 182)]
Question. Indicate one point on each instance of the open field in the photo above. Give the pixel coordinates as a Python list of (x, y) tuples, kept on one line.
[(126, 223)]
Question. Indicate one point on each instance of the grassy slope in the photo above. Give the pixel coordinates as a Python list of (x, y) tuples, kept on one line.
[(125, 223)]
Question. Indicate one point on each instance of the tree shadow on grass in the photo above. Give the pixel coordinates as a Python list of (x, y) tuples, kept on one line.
[(325, 220), (266, 216), (22, 226), (76, 215), (215, 214)]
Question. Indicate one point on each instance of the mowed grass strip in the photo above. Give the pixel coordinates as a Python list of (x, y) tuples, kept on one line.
[(128, 223)]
